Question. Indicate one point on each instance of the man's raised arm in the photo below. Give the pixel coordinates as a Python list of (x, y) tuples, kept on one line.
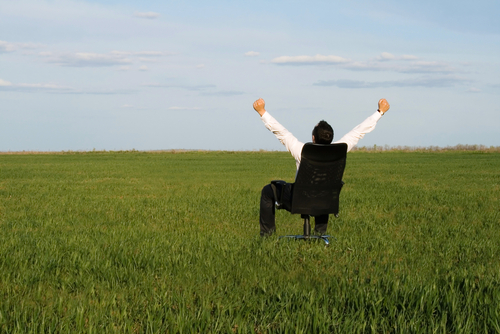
[(292, 144), (353, 136)]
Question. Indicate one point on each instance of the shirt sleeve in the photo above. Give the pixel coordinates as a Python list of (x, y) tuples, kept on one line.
[(292, 144), (353, 136)]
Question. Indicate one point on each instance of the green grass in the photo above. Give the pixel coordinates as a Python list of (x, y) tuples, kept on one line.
[(168, 243)]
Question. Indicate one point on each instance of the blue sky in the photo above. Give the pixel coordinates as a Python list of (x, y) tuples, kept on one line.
[(151, 75)]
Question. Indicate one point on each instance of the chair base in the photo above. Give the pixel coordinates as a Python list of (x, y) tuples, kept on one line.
[(307, 232), (308, 237)]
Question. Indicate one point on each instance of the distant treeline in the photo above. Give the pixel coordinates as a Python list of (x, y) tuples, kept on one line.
[(374, 148), (459, 147)]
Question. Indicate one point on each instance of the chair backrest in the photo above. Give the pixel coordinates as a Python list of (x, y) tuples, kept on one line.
[(319, 179)]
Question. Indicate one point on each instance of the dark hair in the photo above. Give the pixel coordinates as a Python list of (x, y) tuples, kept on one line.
[(323, 133)]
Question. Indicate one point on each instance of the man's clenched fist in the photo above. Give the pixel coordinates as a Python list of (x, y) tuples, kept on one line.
[(260, 106), (383, 106)]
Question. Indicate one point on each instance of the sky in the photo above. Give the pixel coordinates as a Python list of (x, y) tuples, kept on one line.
[(162, 75)]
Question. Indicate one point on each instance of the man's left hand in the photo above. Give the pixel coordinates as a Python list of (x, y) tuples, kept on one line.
[(383, 106)]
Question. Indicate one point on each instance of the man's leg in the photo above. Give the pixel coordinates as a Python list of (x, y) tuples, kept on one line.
[(267, 221), (320, 224)]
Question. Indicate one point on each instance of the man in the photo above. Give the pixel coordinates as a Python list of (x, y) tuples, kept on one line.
[(322, 134)]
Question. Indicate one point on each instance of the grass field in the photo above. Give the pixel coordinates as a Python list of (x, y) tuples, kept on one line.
[(136, 242)]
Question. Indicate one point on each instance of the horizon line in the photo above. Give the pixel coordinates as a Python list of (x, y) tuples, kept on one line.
[(374, 148)]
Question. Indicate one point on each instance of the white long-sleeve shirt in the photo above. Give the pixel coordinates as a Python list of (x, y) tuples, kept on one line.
[(294, 146)]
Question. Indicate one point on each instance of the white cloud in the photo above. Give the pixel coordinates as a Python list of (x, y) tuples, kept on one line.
[(30, 45), (143, 68), (385, 62), (309, 60), (124, 68), (41, 85), (200, 66), (4, 83), (92, 59), (426, 81), (365, 66), (147, 15), (387, 56), (32, 87), (6, 47), (55, 89), (11, 47), (474, 90), (89, 59), (252, 54)]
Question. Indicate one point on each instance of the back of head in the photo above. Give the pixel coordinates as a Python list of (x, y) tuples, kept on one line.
[(323, 133)]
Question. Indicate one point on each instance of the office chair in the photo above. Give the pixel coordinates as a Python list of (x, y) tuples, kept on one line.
[(317, 186)]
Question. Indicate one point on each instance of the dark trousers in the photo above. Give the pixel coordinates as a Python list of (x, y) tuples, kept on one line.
[(267, 210)]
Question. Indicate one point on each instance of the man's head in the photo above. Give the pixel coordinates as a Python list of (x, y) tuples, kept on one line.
[(322, 133)]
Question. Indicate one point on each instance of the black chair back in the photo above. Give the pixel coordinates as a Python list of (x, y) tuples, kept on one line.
[(319, 179)]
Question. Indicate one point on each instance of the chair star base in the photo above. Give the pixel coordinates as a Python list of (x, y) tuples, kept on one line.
[(307, 232), (309, 237)]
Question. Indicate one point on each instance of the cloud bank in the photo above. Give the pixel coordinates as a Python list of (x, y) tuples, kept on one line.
[(92, 59), (309, 60), (6, 47), (147, 15), (429, 82), (57, 89), (32, 87), (385, 62), (11, 47), (252, 54)]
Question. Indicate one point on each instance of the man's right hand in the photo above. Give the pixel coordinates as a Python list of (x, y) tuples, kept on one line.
[(383, 106), (260, 106)]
